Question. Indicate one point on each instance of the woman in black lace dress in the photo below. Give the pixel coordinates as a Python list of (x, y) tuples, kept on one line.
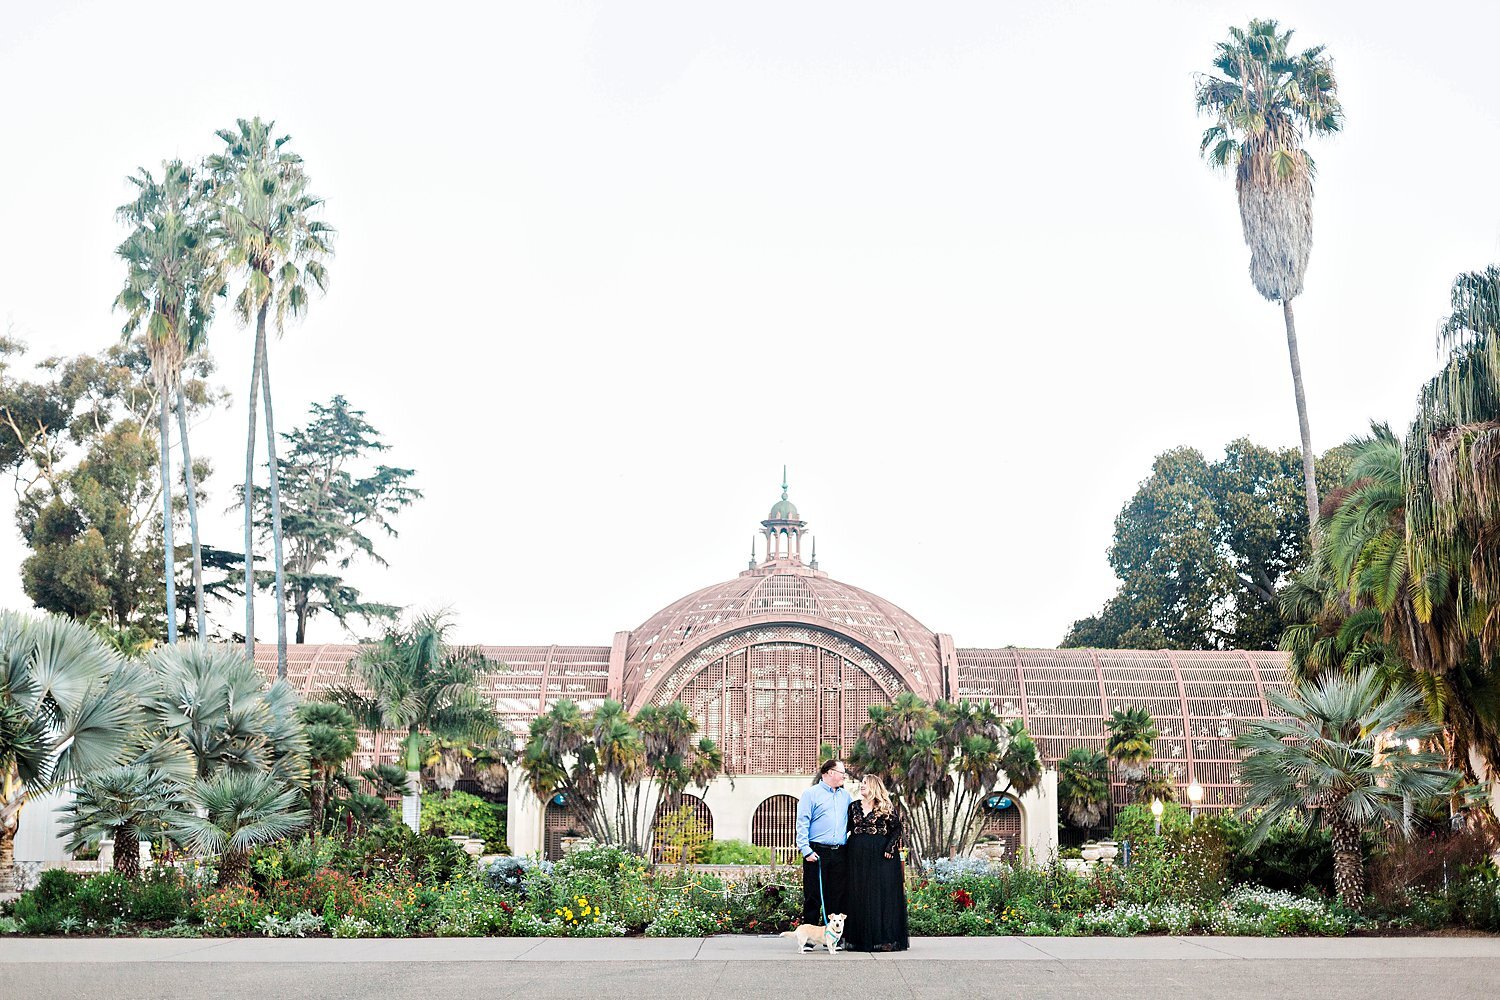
[(876, 894)]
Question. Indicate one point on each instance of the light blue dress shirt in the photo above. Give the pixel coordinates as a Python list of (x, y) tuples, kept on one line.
[(822, 816)]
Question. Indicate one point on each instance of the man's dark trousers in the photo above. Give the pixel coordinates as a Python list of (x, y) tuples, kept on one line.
[(831, 861)]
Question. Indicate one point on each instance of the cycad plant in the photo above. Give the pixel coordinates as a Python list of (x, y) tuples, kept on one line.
[(235, 812), (1265, 100), (129, 803), (68, 709), (267, 230), (1083, 786), (1132, 733), (412, 681), (1349, 753)]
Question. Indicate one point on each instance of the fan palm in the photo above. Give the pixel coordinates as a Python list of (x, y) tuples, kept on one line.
[(267, 231), (171, 279), (215, 702), (412, 680), (329, 731), (67, 709), (1344, 752), (386, 780), (238, 811), (1131, 734), (1264, 101), (126, 803), (1083, 786)]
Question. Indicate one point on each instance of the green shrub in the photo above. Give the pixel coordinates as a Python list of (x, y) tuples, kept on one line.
[(292, 859), (678, 920), (460, 814), (233, 910), (396, 854), (161, 895), (1294, 856), (106, 897), (1476, 899), (736, 852), (56, 886), (1135, 822)]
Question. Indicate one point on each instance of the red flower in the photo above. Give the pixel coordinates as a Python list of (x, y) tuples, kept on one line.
[(962, 898)]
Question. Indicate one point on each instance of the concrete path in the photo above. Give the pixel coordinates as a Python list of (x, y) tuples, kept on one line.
[(731, 967)]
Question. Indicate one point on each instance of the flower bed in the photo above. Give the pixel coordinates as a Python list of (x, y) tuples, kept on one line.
[(398, 885)]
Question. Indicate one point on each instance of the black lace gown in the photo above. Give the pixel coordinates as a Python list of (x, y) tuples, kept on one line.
[(875, 893)]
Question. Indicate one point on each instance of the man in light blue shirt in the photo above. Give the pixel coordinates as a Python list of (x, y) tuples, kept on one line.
[(822, 830)]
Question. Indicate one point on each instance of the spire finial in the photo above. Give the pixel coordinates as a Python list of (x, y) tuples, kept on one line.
[(815, 552), (783, 482)]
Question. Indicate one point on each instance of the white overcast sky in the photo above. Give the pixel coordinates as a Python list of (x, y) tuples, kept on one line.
[(603, 268)]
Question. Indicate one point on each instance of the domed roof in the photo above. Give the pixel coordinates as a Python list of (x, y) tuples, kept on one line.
[(792, 593), (784, 510)]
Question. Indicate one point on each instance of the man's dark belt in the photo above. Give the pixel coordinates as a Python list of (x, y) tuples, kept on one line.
[(824, 847)]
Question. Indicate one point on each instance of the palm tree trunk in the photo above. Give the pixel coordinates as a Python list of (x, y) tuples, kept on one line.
[(265, 383), (199, 622), (1348, 865), (1308, 478), (127, 852), (411, 801), (168, 549), (233, 867), (8, 880), (317, 795), (254, 397)]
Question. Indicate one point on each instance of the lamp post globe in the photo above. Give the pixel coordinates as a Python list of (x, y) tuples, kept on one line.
[(1195, 796), (1156, 811)]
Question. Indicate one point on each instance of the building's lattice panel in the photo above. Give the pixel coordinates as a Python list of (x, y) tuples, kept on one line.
[(1200, 702), (774, 825), (770, 702), (701, 812)]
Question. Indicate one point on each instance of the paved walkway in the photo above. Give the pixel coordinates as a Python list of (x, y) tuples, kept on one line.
[(731, 967)]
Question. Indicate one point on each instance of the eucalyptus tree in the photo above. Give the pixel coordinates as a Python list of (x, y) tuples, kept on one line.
[(1348, 751), (1265, 100), (412, 680), (268, 233), (171, 280), (67, 710)]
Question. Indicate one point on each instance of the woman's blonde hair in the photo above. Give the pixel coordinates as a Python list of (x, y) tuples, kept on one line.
[(872, 788)]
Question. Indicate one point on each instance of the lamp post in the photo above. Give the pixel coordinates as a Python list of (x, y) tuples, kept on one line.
[(1195, 796), (1156, 811)]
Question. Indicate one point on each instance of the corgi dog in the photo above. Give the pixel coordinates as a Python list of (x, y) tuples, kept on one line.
[(810, 936)]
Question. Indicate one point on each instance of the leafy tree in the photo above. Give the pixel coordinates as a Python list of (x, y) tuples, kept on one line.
[(1202, 549), (1129, 745), (617, 771), (329, 731), (238, 811), (1341, 753), (66, 711), (412, 680), (1083, 786), (169, 288), (80, 444), (328, 512), (1265, 100), (266, 230), (941, 763)]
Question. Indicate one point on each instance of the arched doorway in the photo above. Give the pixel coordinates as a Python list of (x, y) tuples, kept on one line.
[(1003, 823), (774, 825), (701, 813), (559, 821)]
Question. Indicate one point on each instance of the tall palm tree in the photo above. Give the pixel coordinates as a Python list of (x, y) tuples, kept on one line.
[(1265, 100), (268, 232), (171, 279), (330, 734), (237, 812), (412, 680), (1345, 752), (67, 709)]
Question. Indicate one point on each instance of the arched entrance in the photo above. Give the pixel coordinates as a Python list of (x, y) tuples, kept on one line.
[(774, 825), (559, 821), (1005, 824), (700, 812)]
